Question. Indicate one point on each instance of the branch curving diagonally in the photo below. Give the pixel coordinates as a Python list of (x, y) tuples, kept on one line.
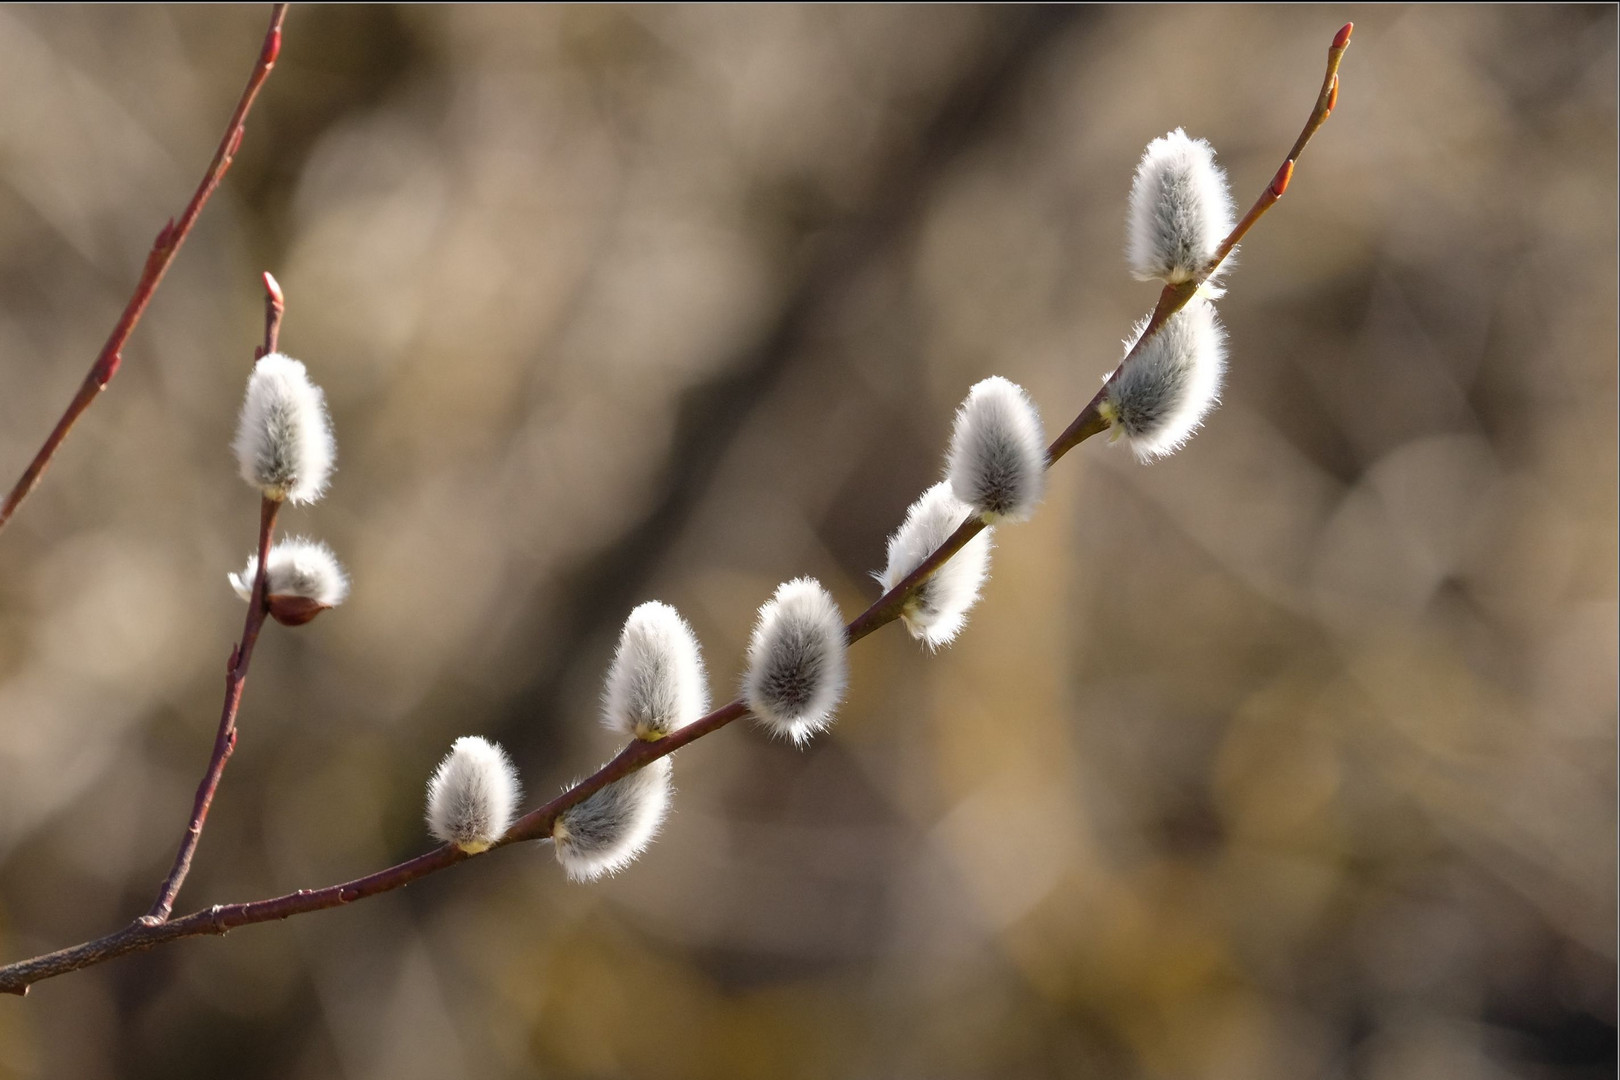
[(537, 824), (164, 249)]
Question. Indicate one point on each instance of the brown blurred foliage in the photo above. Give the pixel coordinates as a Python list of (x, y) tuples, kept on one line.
[(1291, 756)]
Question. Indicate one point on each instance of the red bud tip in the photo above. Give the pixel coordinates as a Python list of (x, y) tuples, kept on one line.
[(165, 234), (272, 48), (1333, 93), (272, 289), (1279, 183), (1342, 38)]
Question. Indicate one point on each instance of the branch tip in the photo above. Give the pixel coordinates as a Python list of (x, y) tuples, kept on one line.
[(1341, 40), (275, 305)]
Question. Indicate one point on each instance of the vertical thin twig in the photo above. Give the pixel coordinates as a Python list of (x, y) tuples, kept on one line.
[(236, 671), (164, 248), (225, 738)]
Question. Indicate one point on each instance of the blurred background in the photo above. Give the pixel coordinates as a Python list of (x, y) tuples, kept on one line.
[(1290, 756)]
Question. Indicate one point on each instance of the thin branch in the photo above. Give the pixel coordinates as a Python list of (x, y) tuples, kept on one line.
[(225, 738), (164, 248), (274, 306), (537, 824)]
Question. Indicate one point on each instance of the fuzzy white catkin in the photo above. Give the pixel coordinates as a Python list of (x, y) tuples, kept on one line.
[(1163, 393), (604, 833), (284, 445), (1181, 209), (656, 683), (472, 795), (936, 611), (997, 460), (297, 567), (797, 667)]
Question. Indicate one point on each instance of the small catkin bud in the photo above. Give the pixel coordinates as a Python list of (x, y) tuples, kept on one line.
[(303, 580), (936, 611), (1181, 209), (284, 444), (656, 683), (797, 665), (1158, 399), (997, 460), (472, 795), (604, 833)]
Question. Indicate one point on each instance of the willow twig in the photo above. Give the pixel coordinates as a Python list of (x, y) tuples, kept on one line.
[(164, 249), (236, 670)]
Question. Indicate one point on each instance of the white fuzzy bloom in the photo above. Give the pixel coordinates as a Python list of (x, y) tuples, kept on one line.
[(936, 611), (472, 795), (997, 460), (1162, 394), (298, 567), (656, 682), (1181, 209), (797, 665), (604, 833), (284, 444)]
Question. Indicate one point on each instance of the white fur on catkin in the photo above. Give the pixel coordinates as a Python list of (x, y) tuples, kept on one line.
[(284, 444), (1162, 394), (1181, 209), (604, 833), (936, 611), (297, 567), (997, 460), (797, 666), (472, 795), (656, 683)]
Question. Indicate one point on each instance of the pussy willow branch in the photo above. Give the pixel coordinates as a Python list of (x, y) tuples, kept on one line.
[(164, 249), (225, 738), (241, 656), (537, 824)]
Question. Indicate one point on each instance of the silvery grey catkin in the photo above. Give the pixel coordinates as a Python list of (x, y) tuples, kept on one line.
[(284, 444), (656, 683), (1180, 209), (1180, 213), (797, 666), (1161, 395), (605, 832), (936, 612), (472, 795), (297, 567), (997, 460)]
